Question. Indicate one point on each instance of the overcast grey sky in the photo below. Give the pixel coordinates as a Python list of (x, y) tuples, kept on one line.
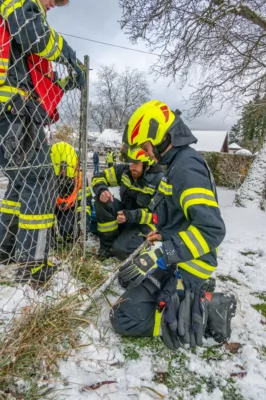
[(98, 20)]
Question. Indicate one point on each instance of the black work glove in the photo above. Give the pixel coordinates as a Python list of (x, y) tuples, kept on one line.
[(191, 317), (132, 216), (168, 302)]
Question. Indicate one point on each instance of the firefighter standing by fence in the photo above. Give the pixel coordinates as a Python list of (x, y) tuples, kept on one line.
[(29, 95), (110, 158), (69, 182), (122, 225), (189, 225)]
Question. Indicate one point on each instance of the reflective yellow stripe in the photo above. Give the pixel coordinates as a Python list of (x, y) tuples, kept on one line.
[(54, 46), (200, 239), (6, 92), (10, 207), (35, 226), (88, 209), (146, 216), (198, 268), (37, 217), (11, 203), (146, 190), (6, 210), (36, 269), (107, 226), (196, 196), (153, 227), (9, 6), (88, 193), (165, 188), (111, 177), (188, 242), (96, 181), (4, 62), (126, 180), (157, 323), (41, 221)]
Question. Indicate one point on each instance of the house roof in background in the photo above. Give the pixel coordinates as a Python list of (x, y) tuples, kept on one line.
[(209, 140), (109, 138), (234, 146)]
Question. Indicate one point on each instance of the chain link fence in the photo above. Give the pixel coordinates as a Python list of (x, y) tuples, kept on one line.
[(46, 276)]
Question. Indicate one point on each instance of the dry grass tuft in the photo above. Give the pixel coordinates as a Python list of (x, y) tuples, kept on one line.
[(38, 338)]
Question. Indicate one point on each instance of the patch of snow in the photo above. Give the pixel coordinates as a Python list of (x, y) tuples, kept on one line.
[(109, 138), (243, 152), (252, 191)]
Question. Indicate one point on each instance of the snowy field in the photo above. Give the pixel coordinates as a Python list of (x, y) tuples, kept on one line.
[(114, 368)]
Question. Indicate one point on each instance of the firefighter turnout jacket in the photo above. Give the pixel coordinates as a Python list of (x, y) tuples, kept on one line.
[(186, 212), (135, 194), (28, 46), (110, 157)]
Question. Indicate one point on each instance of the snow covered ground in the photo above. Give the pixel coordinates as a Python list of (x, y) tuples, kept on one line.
[(143, 369), (114, 368)]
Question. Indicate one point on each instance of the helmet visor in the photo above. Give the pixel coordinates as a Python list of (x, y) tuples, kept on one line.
[(61, 3)]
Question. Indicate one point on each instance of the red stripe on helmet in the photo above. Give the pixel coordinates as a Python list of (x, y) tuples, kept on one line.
[(166, 112), (140, 153), (135, 131)]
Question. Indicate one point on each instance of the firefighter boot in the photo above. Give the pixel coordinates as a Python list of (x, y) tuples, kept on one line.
[(221, 310), (40, 274)]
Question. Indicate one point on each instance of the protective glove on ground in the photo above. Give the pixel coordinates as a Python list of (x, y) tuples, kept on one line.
[(192, 312), (142, 266)]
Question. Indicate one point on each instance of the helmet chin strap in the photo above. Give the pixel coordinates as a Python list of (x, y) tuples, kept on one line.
[(158, 150)]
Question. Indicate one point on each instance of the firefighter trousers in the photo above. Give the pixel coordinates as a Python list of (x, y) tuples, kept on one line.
[(121, 239), (27, 210), (136, 313), (68, 224)]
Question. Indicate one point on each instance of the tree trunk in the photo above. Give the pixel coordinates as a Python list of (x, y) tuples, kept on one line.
[(253, 189)]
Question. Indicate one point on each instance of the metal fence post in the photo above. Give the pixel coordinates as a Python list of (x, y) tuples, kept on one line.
[(84, 133)]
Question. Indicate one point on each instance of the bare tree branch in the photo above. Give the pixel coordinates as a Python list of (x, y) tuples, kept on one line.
[(221, 43)]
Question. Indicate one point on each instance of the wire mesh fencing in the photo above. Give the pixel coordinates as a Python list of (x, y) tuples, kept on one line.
[(45, 200)]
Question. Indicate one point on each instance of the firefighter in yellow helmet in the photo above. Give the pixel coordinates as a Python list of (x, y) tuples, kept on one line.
[(123, 223), (69, 181), (189, 228)]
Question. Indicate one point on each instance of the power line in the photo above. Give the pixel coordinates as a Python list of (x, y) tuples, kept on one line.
[(110, 44)]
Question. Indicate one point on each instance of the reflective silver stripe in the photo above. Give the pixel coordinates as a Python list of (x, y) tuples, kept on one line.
[(35, 222), (107, 227), (6, 94), (200, 268), (109, 176), (146, 218), (196, 243), (197, 196), (165, 188), (4, 63), (55, 46), (15, 208)]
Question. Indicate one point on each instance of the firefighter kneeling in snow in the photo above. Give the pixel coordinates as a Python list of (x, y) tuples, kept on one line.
[(69, 180), (122, 225), (166, 294)]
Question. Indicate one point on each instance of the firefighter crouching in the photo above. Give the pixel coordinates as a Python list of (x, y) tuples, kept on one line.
[(69, 201), (123, 224), (167, 293), (29, 95)]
